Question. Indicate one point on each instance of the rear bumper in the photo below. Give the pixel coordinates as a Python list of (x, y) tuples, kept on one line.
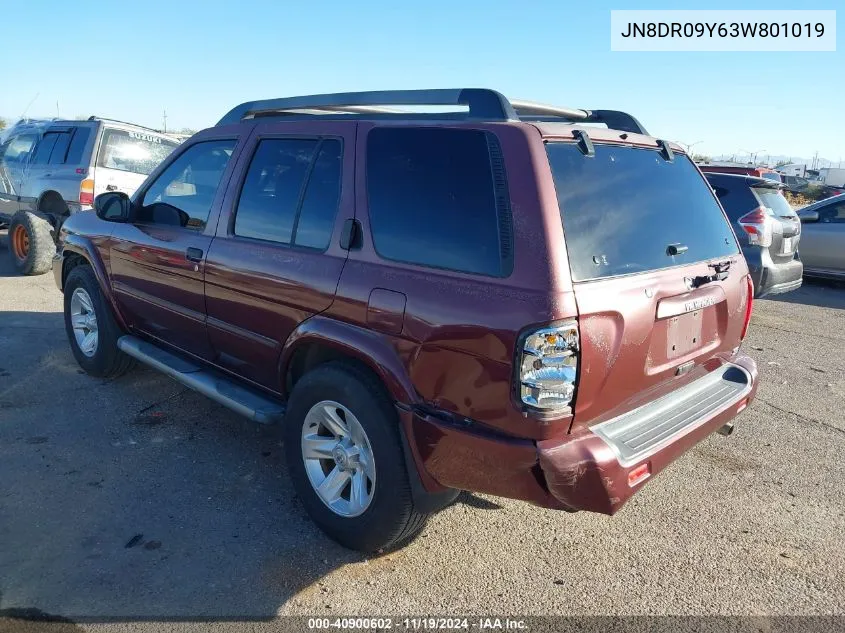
[(586, 470), (770, 278)]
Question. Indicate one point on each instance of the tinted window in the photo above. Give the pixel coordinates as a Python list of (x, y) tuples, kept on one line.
[(57, 156), (183, 193), (77, 146), (271, 192), (735, 196), (137, 152), (834, 213), (773, 202), (322, 195), (432, 199), (622, 208), (43, 149)]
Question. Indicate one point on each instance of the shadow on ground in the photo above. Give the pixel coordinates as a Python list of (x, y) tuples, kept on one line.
[(815, 292)]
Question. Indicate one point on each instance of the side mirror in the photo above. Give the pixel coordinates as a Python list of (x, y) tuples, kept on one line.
[(112, 206), (809, 216)]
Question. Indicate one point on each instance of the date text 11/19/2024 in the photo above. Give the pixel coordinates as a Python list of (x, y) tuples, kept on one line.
[(418, 624)]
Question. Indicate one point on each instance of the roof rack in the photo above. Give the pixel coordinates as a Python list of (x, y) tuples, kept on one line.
[(482, 103), (94, 117)]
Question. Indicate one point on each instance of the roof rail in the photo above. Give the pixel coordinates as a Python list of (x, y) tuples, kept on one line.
[(614, 119), (482, 103), (94, 117)]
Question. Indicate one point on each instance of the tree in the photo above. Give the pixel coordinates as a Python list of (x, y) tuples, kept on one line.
[(2, 124)]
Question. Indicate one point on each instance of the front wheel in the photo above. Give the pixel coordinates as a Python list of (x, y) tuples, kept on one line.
[(91, 328), (345, 459)]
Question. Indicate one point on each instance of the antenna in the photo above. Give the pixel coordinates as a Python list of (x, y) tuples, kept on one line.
[(26, 109), (164, 117)]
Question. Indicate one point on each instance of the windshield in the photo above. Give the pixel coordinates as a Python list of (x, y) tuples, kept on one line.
[(622, 209), (137, 152)]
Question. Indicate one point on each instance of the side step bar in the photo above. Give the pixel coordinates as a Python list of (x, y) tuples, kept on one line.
[(248, 402)]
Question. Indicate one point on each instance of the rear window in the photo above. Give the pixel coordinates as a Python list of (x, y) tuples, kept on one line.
[(773, 202), (137, 152), (622, 208)]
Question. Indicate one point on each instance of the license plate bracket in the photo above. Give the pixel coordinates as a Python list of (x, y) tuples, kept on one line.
[(684, 333)]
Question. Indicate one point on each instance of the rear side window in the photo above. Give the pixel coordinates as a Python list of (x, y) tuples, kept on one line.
[(44, 149), (735, 196), (137, 152), (57, 156), (433, 199), (77, 146), (622, 208), (291, 192)]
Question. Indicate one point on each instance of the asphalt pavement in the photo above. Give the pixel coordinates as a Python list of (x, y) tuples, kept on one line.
[(135, 504)]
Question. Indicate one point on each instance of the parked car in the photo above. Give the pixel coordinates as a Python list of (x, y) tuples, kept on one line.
[(823, 238), (496, 299), (52, 169), (746, 170), (795, 184), (767, 227)]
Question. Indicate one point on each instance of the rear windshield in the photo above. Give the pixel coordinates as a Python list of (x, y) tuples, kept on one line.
[(622, 209), (773, 202), (137, 152)]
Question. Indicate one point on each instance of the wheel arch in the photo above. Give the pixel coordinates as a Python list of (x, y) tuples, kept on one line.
[(78, 251), (52, 203)]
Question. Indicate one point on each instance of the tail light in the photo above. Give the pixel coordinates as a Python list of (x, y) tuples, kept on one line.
[(86, 192), (548, 366), (758, 227), (748, 306)]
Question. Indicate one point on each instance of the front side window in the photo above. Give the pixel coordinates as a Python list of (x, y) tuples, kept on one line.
[(18, 149), (291, 192), (432, 199), (136, 152), (183, 193), (833, 213)]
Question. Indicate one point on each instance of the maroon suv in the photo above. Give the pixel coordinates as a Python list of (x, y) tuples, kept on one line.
[(496, 298)]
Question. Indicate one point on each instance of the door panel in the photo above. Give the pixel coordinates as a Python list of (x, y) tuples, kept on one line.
[(259, 290), (158, 283), (823, 245)]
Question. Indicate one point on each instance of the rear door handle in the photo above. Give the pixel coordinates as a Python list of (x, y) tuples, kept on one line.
[(193, 254)]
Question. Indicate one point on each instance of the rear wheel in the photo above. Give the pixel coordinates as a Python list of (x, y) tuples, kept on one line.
[(345, 459), (91, 328), (31, 244)]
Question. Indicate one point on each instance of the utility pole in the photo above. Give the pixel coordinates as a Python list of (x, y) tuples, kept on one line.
[(164, 117)]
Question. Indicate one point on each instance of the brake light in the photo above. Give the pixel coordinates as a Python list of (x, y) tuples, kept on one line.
[(86, 192), (548, 367), (758, 227), (748, 306)]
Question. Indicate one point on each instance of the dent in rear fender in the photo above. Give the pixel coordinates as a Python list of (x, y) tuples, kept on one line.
[(371, 348)]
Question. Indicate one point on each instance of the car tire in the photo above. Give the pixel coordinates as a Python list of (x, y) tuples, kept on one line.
[(388, 518), (87, 313), (31, 244)]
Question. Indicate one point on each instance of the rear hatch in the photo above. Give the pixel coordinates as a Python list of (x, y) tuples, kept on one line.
[(785, 225), (126, 157), (658, 277)]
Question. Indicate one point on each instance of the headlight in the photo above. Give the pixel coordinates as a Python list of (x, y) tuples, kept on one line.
[(548, 366)]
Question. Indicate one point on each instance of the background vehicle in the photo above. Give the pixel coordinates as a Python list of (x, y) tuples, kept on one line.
[(795, 184), (823, 238), (734, 168), (396, 289), (51, 169), (767, 227)]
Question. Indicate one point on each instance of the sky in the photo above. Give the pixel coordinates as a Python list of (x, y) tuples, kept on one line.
[(134, 60)]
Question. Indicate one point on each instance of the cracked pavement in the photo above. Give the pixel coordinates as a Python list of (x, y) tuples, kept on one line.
[(132, 502)]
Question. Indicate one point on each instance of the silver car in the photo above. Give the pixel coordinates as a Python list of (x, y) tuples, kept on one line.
[(51, 169), (823, 238)]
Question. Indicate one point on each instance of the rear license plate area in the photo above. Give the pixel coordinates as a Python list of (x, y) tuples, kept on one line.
[(787, 246), (684, 333)]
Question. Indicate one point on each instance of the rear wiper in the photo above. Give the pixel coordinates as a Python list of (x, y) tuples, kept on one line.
[(720, 273)]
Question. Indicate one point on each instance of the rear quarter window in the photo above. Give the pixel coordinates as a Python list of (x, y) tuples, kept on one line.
[(623, 207), (434, 200)]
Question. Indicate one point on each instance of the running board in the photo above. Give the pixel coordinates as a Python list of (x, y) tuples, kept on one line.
[(215, 385)]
